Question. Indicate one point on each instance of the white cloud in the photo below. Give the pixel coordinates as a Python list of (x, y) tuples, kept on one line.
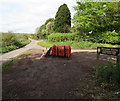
[(27, 15)]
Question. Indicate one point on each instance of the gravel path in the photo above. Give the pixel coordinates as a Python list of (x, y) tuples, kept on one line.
[(33, 45)]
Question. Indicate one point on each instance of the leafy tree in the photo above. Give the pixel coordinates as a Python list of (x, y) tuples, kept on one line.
[(89, 16), (112, 17), (49, 20), (62, 19), (44, 30), (96, 17)]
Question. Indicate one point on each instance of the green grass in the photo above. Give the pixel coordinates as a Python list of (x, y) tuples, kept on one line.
[(26, 53), (6, 65), (108, 77), (108, 73), (75, 44)]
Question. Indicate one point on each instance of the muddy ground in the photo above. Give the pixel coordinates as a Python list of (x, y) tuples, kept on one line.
[(52, 78)]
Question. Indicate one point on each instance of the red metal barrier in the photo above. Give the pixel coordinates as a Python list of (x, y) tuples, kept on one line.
[(67, 50), (54, 50), (61, 50)]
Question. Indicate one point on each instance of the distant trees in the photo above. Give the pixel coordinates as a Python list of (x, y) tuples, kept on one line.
[(61, 23), (93, 21), (62, 19)]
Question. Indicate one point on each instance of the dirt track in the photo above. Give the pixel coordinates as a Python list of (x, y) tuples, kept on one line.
[(52, 78)]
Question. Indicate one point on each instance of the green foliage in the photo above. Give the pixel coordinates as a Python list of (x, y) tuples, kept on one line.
[(34, 36), (22, 37), (62, 36), (110, 37), (8, 39), (97, 17), (8, 48), (76, 44), (108, 73), (11, 41), (62, 20), (6, 65), (13, 47), (44, 30), (24, 43), (49, 20), (105, 37)]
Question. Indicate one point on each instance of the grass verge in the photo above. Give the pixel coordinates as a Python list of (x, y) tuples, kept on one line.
[(75, 44), (6, 65), (109, 79)]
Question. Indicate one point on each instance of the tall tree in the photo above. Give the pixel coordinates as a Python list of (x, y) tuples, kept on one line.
[(62, 19)]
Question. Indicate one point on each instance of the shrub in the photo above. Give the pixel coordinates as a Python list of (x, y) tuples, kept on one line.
[(8, 39), (11, 41), (22, 37), (108, 73), (8, 48), (13, 47), (62, 37), (25, 43), (110, 37)]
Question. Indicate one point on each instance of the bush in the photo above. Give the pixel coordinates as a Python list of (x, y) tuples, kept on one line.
[(34, 36), (8, 39), (62, 37), (110, 37), (108, 73), (11, 41), (22, 37), (13, 47), (25, 43), (8, 48)]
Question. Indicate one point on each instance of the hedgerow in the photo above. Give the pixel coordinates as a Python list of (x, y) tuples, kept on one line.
[(54, 37)]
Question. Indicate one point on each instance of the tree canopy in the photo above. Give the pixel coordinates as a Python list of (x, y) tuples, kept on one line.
[(97, 16), (95, 20)]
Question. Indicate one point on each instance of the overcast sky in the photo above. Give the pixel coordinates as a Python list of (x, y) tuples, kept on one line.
[(26, 15)]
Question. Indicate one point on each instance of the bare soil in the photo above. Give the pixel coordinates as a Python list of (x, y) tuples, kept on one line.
[(53, 77)]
